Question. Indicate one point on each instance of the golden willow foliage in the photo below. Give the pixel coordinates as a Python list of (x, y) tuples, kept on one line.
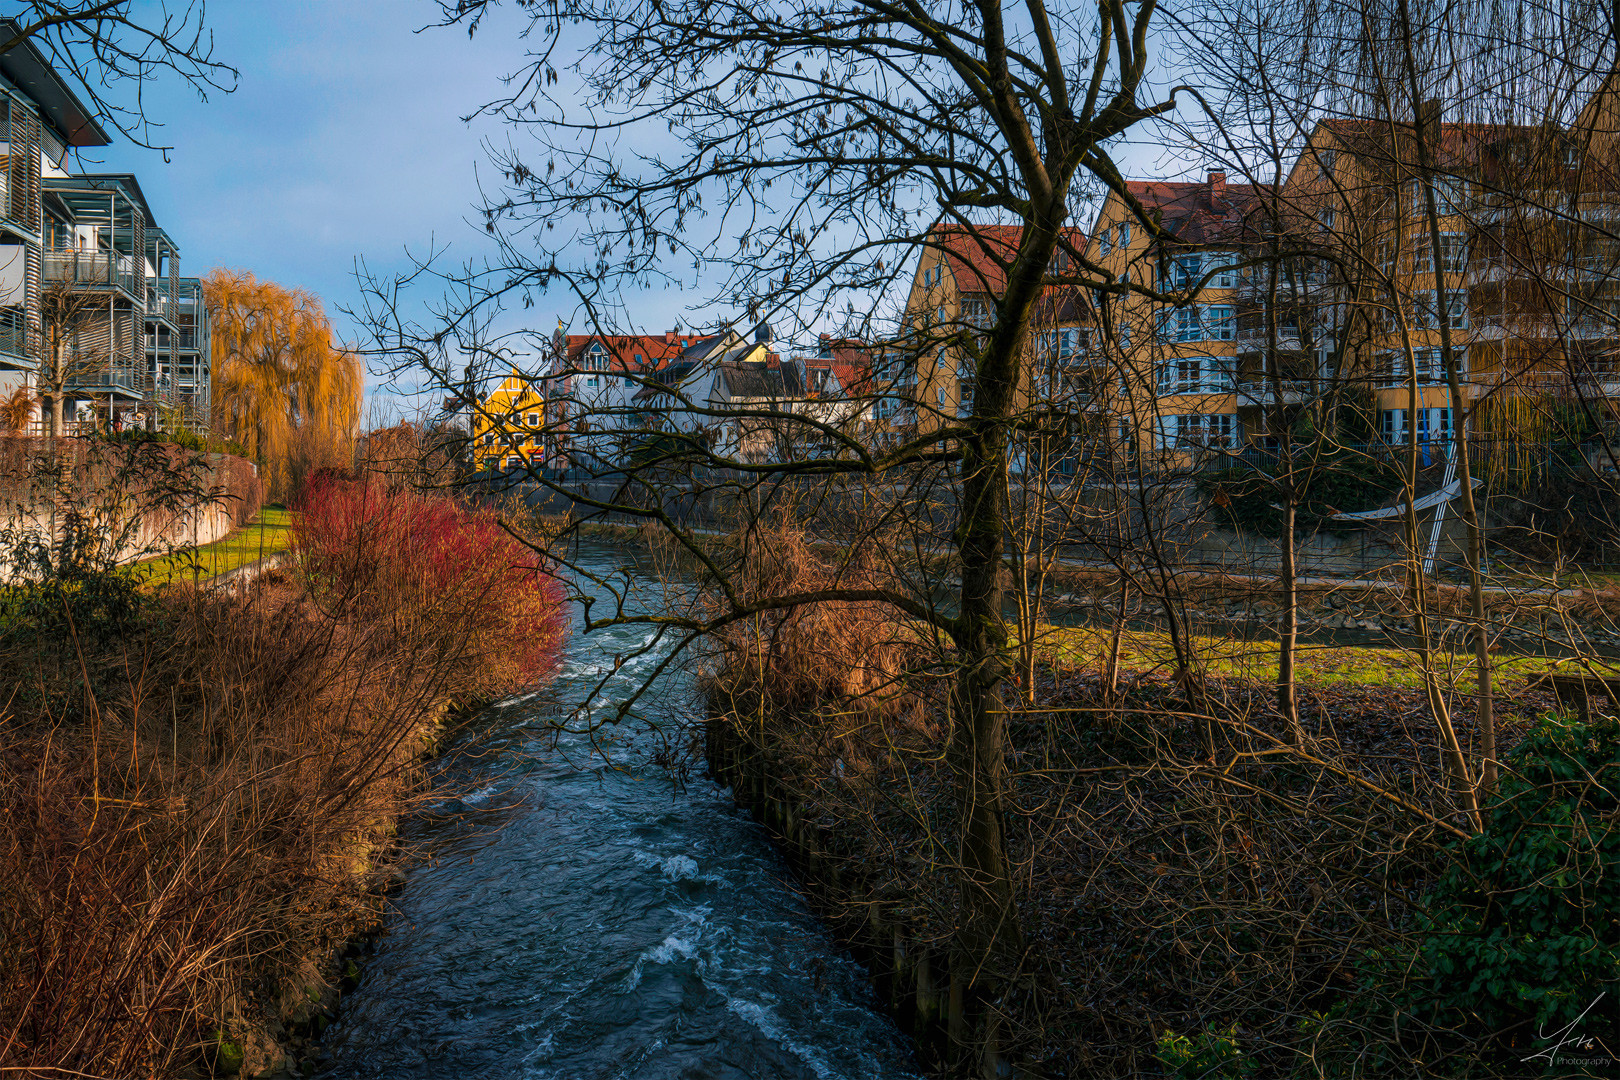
[(281, 388)]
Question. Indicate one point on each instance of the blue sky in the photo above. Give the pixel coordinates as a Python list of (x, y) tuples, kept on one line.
[(342, 140)]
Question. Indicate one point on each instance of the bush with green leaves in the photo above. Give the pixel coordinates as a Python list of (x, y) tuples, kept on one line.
[(1522, 930), (1210, 1054)]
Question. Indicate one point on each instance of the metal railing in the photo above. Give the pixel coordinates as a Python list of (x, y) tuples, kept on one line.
[(14, 337), (91, 268)]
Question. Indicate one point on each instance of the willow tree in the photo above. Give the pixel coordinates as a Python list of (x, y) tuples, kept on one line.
[(793, 159), (281, 387)]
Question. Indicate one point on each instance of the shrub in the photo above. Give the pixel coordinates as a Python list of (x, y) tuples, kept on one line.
[(1523, 929), (1210, 1054), (440, 570)]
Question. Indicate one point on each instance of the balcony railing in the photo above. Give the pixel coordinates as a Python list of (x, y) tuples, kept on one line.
[(1267, 391), (91, 268), (1260, 336), (14, 339)]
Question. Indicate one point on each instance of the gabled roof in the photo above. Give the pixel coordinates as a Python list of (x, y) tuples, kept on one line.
[(979, 255), (1469, 149), (839, 368), (655, 350), (1208, 211), (760, 379)]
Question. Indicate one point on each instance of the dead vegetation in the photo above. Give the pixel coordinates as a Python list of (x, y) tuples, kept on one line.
[(1182, 866), (198, 806)]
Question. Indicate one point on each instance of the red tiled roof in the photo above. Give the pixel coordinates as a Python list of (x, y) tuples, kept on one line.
[(979, 255), (1198, 211), (654, 349)]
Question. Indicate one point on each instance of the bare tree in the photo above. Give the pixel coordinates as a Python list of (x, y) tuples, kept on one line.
[(804, 155), (77, 348), (111, 49)]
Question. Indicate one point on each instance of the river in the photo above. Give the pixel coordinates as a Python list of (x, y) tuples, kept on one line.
[(581, 917)]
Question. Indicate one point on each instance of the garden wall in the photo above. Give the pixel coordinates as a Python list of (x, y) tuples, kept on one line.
[(180, 497)]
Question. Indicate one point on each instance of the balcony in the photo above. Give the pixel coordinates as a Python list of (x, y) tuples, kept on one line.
[(91, 269), (1259, 337), (14, 339), (1269, 392), (1256, 288)]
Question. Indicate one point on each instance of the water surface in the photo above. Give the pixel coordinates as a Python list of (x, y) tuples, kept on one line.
[(615, 925)]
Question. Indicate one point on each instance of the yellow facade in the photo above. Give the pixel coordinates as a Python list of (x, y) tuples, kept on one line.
[(507, 424)]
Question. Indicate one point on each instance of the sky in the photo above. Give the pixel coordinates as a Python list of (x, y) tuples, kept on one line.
[(344, 140)]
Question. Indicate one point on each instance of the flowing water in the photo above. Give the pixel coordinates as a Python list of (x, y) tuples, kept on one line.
[(613, 925)]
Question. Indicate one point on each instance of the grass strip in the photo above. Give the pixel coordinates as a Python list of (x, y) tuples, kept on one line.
[(1319, 665), (269, 533)]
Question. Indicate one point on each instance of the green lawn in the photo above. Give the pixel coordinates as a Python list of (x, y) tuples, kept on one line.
[(268, 533), (1085, 647)]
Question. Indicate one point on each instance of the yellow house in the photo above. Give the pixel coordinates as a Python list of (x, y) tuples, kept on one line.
[(507, 423)]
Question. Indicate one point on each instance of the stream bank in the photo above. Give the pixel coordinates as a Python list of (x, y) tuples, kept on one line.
[(581, 910)]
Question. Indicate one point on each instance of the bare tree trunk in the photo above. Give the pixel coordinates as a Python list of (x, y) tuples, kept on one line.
[(1484, 704), (977, 748), (1288, 633)]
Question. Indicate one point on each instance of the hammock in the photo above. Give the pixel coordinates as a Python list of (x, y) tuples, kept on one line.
[(1444, 495)]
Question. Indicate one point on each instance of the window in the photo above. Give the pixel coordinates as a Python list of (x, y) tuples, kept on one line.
[(1425, 362), (1124, 334), (1185, 271), (1124, 233), (1450, 195), (1327, 217), (976, 312), (1068, 343), (1453, 252), (1433, 425), (1219, 325), (1188, 326), (1425, 313), (1105, 245), (1327, 159), (1198, 431), (1125, 278), (1195, 375), (1224, 275), (534, 419)]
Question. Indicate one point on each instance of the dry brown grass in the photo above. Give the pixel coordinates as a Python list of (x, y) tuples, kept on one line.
[(195, 813)]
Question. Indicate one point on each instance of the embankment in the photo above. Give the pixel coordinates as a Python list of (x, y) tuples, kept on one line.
[(199, 788), (157, 495)]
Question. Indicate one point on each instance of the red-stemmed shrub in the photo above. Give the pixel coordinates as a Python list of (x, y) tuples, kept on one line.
[(441, 571)]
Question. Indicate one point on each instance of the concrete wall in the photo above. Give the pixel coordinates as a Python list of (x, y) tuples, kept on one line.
[(49, 486)]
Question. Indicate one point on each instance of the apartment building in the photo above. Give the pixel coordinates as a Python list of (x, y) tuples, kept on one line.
[(92, 305), (927, 377), (1183, 372)]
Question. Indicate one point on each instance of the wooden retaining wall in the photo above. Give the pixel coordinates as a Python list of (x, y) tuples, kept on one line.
[(910, 975)]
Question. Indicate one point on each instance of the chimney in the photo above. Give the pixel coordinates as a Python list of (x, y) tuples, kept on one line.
[(1428, 119), (1217, 190)]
